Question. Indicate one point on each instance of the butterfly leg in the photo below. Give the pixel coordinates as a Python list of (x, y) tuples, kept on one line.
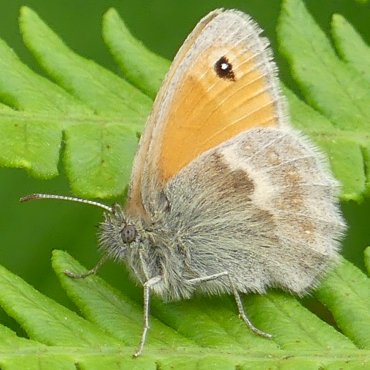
[(147, 286), (208, 278), (244, 317), (238, 300), (93, 271)]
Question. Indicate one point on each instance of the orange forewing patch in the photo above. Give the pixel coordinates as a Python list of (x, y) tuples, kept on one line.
[(134, 199), (207, 109)]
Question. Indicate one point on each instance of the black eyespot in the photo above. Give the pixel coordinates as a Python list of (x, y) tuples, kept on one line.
[(224, 69), (128, 234)]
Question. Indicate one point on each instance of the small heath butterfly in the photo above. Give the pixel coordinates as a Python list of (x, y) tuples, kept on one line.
[(225, 196)]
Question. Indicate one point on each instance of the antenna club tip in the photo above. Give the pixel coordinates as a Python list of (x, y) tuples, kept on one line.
[(28, 197)]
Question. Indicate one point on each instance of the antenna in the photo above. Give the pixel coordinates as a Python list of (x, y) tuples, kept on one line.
[(63, 197)]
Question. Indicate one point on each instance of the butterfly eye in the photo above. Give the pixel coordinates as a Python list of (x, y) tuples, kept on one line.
[(224, 69), (128, 234)]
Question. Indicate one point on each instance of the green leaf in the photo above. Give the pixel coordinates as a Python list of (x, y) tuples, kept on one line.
[(110, 331), (334, 89), (351, 46), (43, 319), (30, 133), (98, 112), (326, 82), (104, 92), (93, 143), (99, 150), (348, 285), (139, 65)]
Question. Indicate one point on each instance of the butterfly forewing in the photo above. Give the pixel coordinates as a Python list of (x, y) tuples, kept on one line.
[(221, 86)]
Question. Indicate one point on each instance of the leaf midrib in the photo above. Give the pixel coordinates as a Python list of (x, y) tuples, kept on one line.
[(69, 120), (191, 352)]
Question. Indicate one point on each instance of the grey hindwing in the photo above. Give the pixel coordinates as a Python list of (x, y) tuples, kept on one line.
[(262, 207)]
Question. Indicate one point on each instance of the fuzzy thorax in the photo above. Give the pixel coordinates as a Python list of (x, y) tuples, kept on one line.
[(152, 252)]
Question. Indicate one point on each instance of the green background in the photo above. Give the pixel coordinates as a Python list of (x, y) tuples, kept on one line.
[(28, 232)]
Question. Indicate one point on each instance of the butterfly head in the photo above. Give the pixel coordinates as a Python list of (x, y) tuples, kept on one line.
[(117, 233)]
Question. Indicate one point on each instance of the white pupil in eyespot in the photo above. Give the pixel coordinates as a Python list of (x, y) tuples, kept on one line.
[(224, 66)]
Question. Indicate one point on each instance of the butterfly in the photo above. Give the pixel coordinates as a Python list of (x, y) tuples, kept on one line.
[(225, 196)]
